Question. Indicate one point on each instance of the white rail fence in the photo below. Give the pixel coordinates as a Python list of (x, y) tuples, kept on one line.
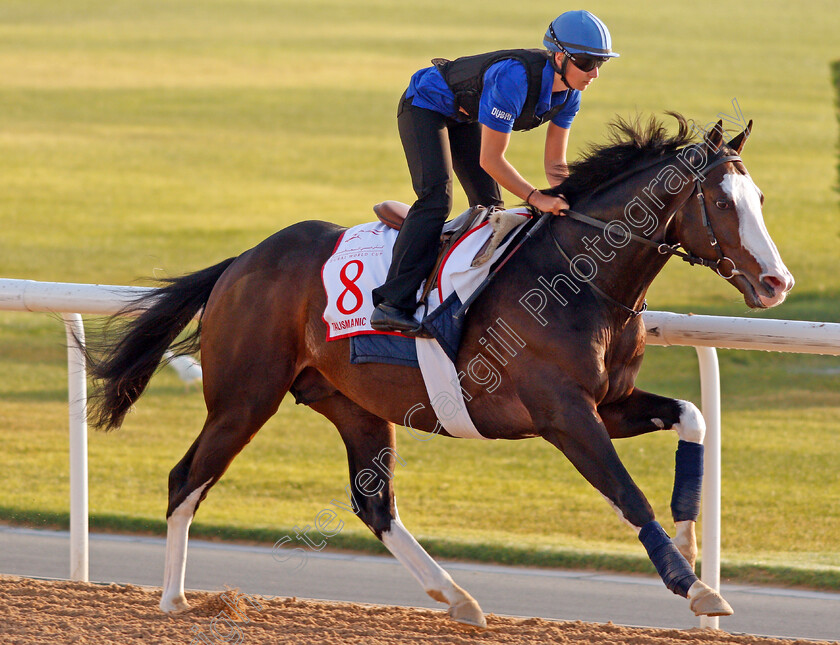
[(704, 333)]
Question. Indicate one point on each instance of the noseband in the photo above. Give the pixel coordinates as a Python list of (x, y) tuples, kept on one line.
[(662, 247)]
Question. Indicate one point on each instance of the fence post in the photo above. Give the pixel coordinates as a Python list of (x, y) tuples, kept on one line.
[(77, 396), (710, 392)]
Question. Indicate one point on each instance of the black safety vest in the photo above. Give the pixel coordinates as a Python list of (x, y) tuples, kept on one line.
[(465, 77)]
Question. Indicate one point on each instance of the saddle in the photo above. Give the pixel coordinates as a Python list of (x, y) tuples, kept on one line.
[(392, 214)]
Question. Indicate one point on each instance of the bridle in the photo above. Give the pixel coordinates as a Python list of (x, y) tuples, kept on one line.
[(687, 255), (663, 247)]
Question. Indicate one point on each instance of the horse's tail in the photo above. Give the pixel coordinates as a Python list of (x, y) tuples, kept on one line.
[(121, 368)]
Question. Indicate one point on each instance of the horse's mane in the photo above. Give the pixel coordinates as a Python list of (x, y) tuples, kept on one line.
[(629, 142)]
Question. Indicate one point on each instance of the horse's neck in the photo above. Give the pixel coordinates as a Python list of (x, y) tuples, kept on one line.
[(624, 270)]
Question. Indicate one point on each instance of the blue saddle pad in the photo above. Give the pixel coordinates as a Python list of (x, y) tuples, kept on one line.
[(399, 350)]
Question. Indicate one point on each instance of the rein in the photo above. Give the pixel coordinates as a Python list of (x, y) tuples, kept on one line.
[(662, 247), (633, 312)]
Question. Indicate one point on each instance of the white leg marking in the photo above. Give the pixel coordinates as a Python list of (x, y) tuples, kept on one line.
[(432, 577), (621, 515), (177, 532), (686, 541), (691, 426), (435, 581)]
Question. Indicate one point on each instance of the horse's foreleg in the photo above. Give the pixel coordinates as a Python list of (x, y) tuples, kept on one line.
[(372, 457), (579, 432), (643, 412)]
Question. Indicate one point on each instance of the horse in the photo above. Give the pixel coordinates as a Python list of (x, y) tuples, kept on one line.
[(571, 294)]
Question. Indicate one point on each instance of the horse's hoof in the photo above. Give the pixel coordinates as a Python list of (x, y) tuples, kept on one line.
[(705, 601), (175, 605), (467, 612), (465, 609)]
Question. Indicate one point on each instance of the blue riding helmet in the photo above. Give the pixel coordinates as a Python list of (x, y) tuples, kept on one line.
[(579, 32)]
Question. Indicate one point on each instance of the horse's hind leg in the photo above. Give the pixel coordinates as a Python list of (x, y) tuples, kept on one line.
[(178, 522), (238, 405), (643, 412), (372, 456), (224, 435)]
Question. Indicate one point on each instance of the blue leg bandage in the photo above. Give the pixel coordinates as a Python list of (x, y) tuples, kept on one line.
[(670, 565), (688, 481)]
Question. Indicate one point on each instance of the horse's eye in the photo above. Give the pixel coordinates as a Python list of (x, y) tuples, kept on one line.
[(722, 204)]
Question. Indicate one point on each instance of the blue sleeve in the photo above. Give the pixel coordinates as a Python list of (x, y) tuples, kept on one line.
[(503, 96), (565, 116), (428, 90)]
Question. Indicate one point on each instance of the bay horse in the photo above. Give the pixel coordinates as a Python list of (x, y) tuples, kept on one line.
[(572, 294)]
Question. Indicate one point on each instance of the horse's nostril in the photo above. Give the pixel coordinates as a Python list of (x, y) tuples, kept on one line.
[(773, 284)]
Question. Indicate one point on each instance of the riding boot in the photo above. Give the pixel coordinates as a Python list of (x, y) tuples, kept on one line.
[(388, 317)]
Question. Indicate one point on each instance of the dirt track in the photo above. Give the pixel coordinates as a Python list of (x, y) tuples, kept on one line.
[(35, 611)]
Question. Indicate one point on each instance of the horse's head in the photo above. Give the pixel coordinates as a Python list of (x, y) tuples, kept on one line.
[(722, 220)]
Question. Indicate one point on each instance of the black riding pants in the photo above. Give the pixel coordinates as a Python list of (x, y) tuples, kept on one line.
[(434, 146)]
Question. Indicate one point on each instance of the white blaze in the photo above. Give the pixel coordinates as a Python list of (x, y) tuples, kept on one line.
[(754, 236)]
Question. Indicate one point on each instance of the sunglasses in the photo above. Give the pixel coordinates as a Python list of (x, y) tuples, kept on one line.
[(584, 62)]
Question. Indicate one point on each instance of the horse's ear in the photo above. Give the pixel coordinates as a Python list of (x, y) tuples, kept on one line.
[(737, 144), (714, 137)]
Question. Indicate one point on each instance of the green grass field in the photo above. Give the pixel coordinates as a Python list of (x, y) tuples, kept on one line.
[(146, 139)]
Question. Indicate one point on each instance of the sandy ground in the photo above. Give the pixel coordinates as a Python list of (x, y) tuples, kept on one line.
[(37, 611)]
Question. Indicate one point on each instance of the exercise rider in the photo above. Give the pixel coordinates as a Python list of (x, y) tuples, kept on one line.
[(459, 115)]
